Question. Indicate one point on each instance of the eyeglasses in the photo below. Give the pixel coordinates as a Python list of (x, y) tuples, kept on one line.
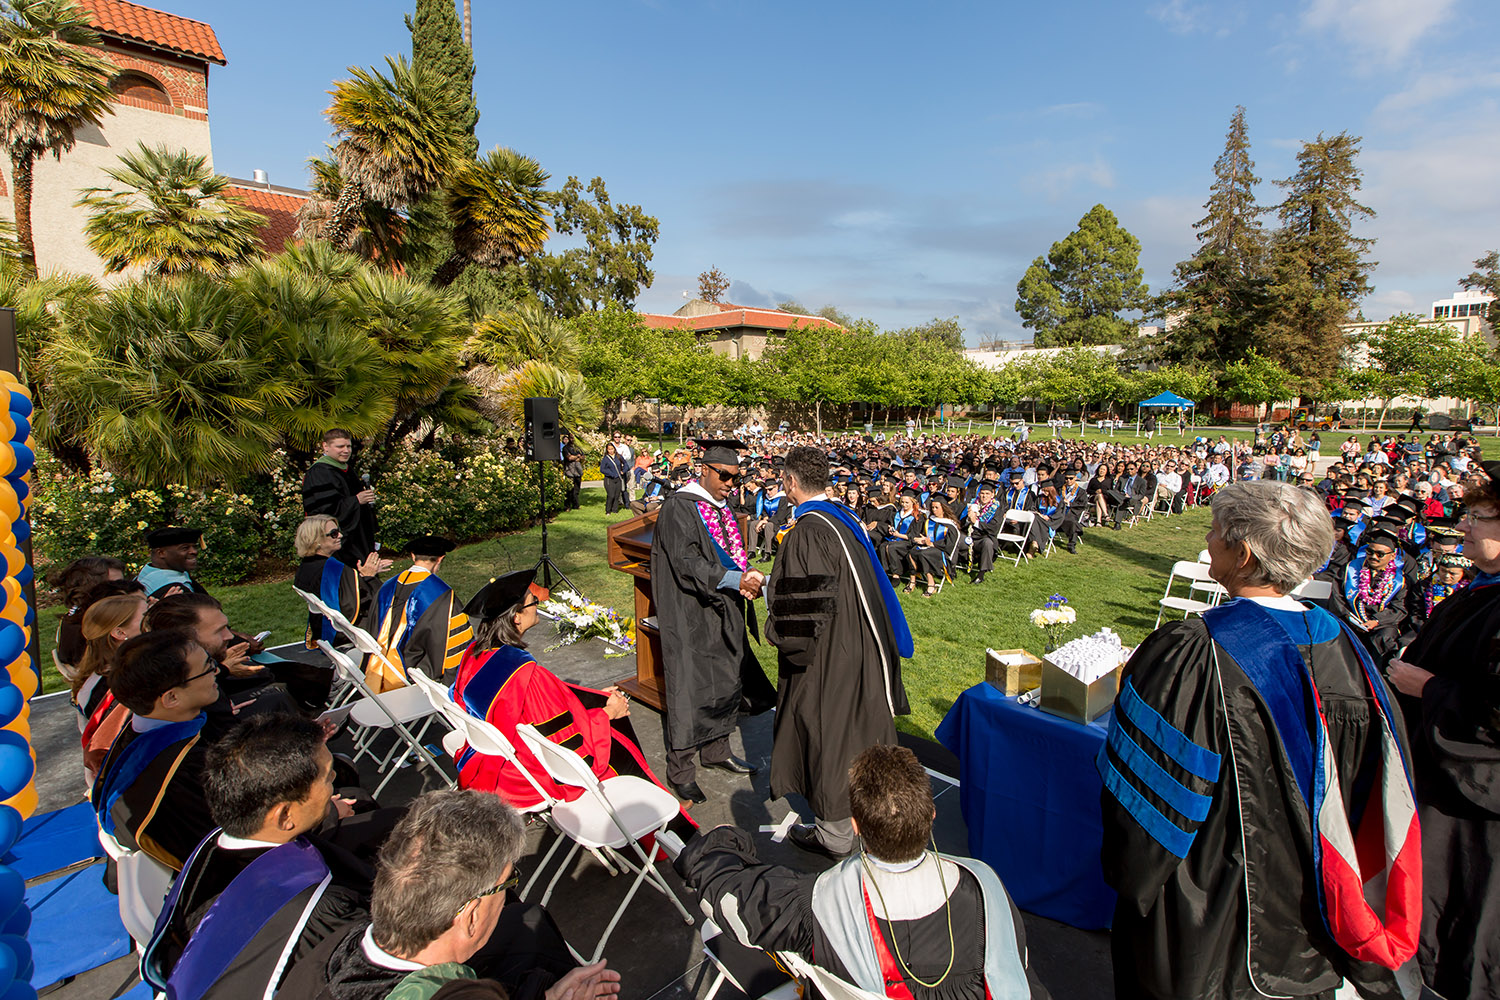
[(335, 533), (728, 477), (213, 668), (510, 883), (1474, 518)]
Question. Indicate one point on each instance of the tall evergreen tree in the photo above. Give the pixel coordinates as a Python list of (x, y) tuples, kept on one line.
[(1075, 294), (437, 44), (1219, 292), (1320, 269)]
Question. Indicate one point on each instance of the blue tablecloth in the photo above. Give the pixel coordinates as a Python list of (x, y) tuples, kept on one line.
[(1030, 797)]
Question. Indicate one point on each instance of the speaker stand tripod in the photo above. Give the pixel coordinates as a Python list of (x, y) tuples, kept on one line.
[(545, 565)]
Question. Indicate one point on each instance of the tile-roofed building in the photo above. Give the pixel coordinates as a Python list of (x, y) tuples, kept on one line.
[(738, 331), (160, 82), (154, 27), (278, 204)]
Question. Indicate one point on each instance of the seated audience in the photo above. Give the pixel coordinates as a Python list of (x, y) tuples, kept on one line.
[(440, 911), (950, 921), (1375, 590), (499, 682), (269, 785), (149, 791), (417, 619), (106, 624), (76, 582), (337, 584)]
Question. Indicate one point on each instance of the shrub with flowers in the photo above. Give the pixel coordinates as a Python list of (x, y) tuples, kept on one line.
[(1054, 618), (579, 619), (420, 492)]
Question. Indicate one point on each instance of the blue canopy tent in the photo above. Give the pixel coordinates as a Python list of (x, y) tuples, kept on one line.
[(1166, 401)]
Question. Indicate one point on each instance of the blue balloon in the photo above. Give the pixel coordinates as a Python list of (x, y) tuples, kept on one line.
[(23, 426), (19, 485), (19, 403), (25, 575), (25, 458), (21, 989), (8, 965), (18, 923), (10, 831), (16, 765), (21, 529), (21, 948), (12, 641), (12, 890), (11, 702)]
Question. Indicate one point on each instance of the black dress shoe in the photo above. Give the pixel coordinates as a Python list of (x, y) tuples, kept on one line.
[(805, 836), (689, 792), (733, 765)]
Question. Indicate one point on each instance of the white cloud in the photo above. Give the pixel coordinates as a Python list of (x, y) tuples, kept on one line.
[(1073, 109), (1384, 29), (1428, 88), (1059, 181), (1181, 16)]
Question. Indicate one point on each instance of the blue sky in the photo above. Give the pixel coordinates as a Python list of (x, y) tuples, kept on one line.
[(906, 161)]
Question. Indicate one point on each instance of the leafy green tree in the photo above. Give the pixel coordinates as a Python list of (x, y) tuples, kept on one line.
[(809, 361), (947, 332), (1474, 374), (168, 214), (1255, 379), (376, 233), (614, 263), (1406, 358), (1076, 293), (1219, 293), (1485, 278), (1320, 269), (53, 82), (498, 211), (398, 137), (438, 46)]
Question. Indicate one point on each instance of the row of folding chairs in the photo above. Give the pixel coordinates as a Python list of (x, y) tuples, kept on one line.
[(1204, 592)]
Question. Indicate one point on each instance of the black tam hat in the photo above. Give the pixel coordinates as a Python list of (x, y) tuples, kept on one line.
[(501, 594), (722, 451), (162, 537), (1383, 535), (428, 546)]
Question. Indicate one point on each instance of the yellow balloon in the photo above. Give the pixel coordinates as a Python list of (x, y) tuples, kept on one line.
[(24, 801), (15, 561), (14, 611), (24, 678), (10, 585), (10, 505), (22, 726), (7, 459)]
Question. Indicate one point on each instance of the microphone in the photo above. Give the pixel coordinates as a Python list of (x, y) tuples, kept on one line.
[(365, 478)]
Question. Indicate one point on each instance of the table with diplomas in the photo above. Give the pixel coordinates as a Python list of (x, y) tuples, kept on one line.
[(1030, 798)]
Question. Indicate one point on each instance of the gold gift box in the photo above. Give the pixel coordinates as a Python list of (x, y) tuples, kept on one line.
[(1067, 696), (1012, 680)]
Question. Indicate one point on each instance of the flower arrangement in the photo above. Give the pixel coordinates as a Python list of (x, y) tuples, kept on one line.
[(579, 619), (1054, 618)]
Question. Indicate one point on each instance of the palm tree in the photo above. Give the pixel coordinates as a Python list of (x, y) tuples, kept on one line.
[(577, 406), (377, 234), (498, 208), (398, 137), (526, 333), (51, 85), (168, 215), (170, 383)]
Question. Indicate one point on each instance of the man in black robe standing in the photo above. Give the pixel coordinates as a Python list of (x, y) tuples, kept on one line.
[(331, 487), (840, 635), (701, 576)]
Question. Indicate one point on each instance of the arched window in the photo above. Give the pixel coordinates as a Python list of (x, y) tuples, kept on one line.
[(141, 87)]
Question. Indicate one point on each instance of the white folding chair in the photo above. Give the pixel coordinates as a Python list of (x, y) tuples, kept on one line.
[(362, 640), (392, 710), (1023, 519), (143, 884), (1184, 570), (1213, 592), (1312, 590), (611, 814), (829, 986)]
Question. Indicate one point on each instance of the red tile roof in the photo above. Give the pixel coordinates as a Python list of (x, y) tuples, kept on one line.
[(734, 316), (154, 27), (279, 206)]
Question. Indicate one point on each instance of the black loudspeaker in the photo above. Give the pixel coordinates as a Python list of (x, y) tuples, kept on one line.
[(541, 429)]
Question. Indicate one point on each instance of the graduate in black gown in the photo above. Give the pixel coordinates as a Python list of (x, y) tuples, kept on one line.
[(417, 619), (896, 920), (840, 635), (269, 788), (321, 572), (331, 487), (1254, 754), (700, 576), (1449, 679)]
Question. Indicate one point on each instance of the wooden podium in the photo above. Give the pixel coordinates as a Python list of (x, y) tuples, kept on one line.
[(628, 549)]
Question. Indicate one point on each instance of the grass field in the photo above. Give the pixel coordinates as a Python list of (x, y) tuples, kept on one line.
[(1114, 580)]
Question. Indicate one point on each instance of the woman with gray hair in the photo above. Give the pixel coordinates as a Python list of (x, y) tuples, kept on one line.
[(1250, 750), (337, 584)]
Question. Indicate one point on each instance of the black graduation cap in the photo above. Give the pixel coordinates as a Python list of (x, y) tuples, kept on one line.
[(1382, 535), (1491, 469), (909, 492), (500, 594), (682, 472), (778, 461), (1405, 507), (988, 484), (159, 538), (1444, 529), (722, 451), (956, 482), (428, 546)]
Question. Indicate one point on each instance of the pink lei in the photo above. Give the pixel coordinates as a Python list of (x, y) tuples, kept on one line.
[(716, 523)]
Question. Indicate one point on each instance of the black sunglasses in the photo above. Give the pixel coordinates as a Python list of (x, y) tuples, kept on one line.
[(728, 477), (213, 668)]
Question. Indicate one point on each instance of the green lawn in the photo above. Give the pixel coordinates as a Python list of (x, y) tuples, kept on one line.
[(1114, 580)]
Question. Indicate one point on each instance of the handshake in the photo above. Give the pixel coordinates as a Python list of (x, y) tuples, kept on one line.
[(751, 582)]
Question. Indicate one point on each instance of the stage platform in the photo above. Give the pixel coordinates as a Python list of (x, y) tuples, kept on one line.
[(658, 956)]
